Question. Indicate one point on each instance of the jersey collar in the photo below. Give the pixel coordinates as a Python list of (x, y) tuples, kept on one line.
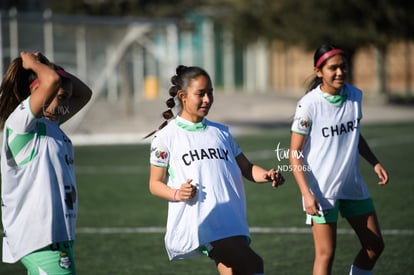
[(190, 126), (335, 99)]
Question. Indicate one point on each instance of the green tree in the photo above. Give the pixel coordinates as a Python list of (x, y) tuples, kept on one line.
[(141, 8), (352, 24)]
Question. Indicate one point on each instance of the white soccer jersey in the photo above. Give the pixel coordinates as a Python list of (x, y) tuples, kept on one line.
[(206, 153), (331, 146), (39, 201)]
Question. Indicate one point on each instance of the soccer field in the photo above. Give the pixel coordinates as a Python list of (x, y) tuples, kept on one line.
[(121, 225)]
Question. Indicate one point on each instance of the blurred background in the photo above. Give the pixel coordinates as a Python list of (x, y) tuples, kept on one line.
[(259, 54), (259, 51)]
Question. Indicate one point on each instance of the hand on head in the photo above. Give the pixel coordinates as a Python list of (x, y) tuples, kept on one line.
[(28, 59)]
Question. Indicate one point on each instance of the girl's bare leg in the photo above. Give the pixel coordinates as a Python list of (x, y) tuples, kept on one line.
[(324, 237), (224, 270)]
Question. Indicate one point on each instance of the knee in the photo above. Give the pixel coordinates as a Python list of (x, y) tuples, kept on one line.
[(256, 265), (259, 263), (325, 255), (376, 249), (252, 261)]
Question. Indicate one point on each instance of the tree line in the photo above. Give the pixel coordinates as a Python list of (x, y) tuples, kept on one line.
[(351, 24)]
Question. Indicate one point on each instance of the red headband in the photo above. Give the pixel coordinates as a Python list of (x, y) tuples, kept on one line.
[(60, 72), (327, 55)]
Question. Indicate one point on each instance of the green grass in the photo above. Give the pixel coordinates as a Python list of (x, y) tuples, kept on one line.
[(113, 193)]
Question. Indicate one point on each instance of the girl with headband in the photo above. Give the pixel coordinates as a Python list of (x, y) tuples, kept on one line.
[(38, 186), (326, 130)]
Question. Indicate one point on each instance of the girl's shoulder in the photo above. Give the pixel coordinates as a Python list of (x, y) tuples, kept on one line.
[(22, 119), (166, 130), (310, 97), (352, 89), (217, 125)]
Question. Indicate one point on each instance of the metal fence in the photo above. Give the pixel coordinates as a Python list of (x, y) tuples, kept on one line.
[(129, 58), (112, 55)]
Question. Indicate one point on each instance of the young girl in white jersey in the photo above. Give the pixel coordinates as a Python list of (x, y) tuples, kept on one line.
[(326, 130), (197, 166), (38, 192)]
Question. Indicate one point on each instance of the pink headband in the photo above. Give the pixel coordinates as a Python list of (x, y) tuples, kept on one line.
[(60, 72), (327, 55)]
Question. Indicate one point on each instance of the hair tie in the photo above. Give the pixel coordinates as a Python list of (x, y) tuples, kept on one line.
[(327, 55), (62, 73)]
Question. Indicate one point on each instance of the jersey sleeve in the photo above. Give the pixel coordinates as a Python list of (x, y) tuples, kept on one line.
[(357, 94), (235, 146), (159, 155), (21, 120), (302, 121), (20, 134)]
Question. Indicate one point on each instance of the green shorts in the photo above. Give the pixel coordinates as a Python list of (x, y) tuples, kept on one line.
[(347, 208), (54, 259)]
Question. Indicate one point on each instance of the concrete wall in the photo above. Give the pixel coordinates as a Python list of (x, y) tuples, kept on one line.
[(291, 67)]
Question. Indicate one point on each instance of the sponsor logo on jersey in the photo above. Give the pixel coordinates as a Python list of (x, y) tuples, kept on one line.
[(159, 154), (203, 154), (162, 154), (340, 129), (70, 196)]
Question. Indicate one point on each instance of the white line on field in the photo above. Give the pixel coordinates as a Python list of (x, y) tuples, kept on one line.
[(259, 230)]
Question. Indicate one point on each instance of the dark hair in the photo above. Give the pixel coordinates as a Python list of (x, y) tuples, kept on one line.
[(15, 86), (323, 49), (180, 81)]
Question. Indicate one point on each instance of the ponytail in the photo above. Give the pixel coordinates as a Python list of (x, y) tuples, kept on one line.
[(14, 88), (173, 103)]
